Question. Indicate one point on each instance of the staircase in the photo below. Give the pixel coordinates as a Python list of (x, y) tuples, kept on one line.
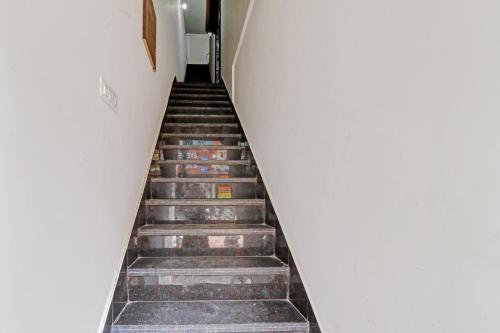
[(206, 255)]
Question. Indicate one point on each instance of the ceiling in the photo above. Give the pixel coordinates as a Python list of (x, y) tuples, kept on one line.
[(195, 16)]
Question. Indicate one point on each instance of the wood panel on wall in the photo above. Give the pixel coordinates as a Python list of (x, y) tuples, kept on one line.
[(149, 30)]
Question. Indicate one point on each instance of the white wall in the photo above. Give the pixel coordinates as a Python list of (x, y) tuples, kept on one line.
[(198, 48), (233, 14), (72, 170), (181, 43), (380, 148), (195, 16)]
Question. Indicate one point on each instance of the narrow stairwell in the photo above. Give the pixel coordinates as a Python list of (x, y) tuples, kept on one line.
[(206, 255)]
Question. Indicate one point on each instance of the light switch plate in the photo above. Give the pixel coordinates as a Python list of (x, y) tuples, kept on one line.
[(108, 95)]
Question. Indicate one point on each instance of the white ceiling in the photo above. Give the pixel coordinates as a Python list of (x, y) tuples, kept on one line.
[(195, 16)]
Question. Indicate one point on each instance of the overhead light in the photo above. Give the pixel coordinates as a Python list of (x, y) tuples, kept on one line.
[(184, 6)]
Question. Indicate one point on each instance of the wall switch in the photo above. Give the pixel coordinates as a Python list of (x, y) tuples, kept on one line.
[(108, 94)]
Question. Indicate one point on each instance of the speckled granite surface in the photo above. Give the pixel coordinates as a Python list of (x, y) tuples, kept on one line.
[(199, 261), (212, 316)]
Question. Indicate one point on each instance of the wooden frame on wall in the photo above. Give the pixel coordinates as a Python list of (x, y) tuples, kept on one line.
[(149, 30)]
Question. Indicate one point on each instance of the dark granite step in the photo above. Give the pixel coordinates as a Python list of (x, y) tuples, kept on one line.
[(217, 147), (188, 95), (206, 240), (201, 128), (200, 90), (207, 162), (175, 211), (206, 188), (207, 169), (205, 118), (204, 203), (220, 152), (186, 138), (210, 317), (207, 110), (207, 278), (204, 180), (198, 102), (198, 85)]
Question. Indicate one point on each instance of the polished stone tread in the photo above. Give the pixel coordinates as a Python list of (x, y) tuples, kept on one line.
[(203, 230), (202, 116), (210, 222), (197, 85), (205, 202), (202, 135), (201, 125), (193, 90), (207, 265), (199, 108), (176, 101), (179, 95), (204, 180), (210, 316), (220, 147), (209, 162)]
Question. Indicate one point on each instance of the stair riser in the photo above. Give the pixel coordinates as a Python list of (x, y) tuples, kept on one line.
[(204, 214), (201, 129), (207, 287), (197, 118), (204, 330), (195, 111), (185, 139), (205, 191), (198, 96), (200, 91), (197, 85), (207, 171), (200, 102), (192, 153), (216, 245)]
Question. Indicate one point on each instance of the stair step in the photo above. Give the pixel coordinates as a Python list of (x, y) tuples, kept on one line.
[(193, 90), (210, 125), (201, 128), (205, 202), (206, 266), (187, 95), (205, 229), (207, 278), (204, 180), (220, 147), (203, 222), (206, 240), (210, 316), (207, 116), (212, 118), (198, 102), (207, 168), (204, 211), (208, 138), (206, 189), (198, 85), (196, 136), (221, 110), (199, 152), (207, 162)]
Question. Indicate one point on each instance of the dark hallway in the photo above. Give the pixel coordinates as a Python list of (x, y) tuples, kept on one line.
[(198, 73)]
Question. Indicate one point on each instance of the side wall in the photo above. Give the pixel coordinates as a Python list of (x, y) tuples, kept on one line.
[(72, 170), (198, 49), (233, 14), (379, 147)]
